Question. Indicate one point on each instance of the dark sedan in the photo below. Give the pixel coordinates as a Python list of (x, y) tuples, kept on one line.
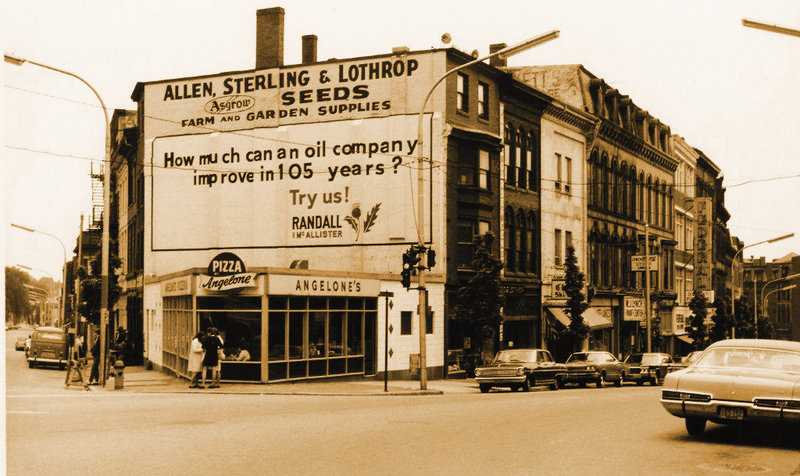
[(596, 367), (648, 367), (520, 369)]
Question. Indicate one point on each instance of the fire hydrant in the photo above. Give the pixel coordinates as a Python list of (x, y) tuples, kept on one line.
[(119, 377)]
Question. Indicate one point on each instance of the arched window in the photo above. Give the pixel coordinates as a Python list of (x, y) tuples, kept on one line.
[(605, 182), (520, 243), (616, 260), (509, 158), (625, 250), (664, 211), (670, 207), (520, 144), (508, 237), (642, 187), (594, 256), (530, 155), (649, 214), (530, 242)]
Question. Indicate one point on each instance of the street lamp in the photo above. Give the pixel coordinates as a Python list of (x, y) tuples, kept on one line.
[(733, 288), (764, 298), (423, 305), (772, 28), (63, 269), (106, 208)]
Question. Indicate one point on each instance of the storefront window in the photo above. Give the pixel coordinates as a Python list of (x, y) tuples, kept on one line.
[(238, 322), (326, 336)]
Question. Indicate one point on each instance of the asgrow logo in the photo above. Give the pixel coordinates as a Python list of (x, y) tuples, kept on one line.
[(229, 104)]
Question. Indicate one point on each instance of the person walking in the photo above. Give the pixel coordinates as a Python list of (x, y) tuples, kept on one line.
[(195, 359), (220, 357), (211, 345)]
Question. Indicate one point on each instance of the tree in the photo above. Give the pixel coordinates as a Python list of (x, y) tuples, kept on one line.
[(573, 288), (745, 327), (17, 303), (481, 298), (722, 322), (696, 329), (91, 285)]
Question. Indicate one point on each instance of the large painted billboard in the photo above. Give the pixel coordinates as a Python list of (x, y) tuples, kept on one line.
[(330, 91), (338, 183)]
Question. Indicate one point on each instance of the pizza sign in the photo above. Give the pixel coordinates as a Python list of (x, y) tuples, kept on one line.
[(226, 272)]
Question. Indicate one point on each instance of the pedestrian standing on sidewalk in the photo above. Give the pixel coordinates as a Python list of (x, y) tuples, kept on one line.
[(94, 376), (211, 344), (195, 359), (220, 358)]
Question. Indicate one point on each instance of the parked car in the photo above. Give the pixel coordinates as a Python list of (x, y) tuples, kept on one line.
[(684, 361), (596, 367), (647, 367), (20, 344), (737, 380), (48, 346), (520, 369)]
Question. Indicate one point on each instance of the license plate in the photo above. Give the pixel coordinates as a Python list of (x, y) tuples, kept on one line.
[(49, 354), (731, 413)]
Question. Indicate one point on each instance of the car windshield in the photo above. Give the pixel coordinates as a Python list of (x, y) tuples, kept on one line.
[(585, 357), (645, 359), (751, 358), (506, 356)]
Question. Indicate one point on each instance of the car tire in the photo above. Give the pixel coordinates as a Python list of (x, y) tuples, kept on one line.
[(527, 384), (582, 384), (484, 387), (620, 380), (601, 380), (640, 382), (695, 426)]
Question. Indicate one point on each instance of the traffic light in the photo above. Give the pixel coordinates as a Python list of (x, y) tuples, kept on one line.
[(410, 260), (431, 258)]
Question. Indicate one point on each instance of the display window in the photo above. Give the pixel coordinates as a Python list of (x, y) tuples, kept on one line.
[(238, 323), (319, 336)]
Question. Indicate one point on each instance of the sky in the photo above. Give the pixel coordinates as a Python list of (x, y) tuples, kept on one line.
[(728, 90)]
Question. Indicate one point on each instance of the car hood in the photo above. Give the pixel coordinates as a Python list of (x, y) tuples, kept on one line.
[(511, 365), (580, 365), (735, 384)]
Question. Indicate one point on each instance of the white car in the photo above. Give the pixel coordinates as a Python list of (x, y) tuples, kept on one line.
[(737, 380)]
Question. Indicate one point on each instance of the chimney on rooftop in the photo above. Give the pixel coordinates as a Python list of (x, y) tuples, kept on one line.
[(497, 61), (269, 38), (309, 49)]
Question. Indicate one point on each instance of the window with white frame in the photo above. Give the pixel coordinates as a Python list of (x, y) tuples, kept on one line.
[(462, 92), (483, 169), (483, 100)]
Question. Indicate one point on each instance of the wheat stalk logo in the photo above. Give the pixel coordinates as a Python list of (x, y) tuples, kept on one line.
[(354, 219)]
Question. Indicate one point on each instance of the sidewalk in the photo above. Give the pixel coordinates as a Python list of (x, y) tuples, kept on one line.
[(138, 379)]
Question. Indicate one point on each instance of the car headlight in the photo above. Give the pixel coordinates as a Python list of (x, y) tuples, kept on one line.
[(520, 371), (478, 372), (591, 368)]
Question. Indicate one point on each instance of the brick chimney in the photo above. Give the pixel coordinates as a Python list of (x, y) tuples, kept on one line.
[(309, 49), (269, 38), (497, 61)]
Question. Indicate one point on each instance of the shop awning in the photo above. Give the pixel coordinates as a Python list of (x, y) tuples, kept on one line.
[(595, 320), (558, 314), (684, 338), (591, 317)]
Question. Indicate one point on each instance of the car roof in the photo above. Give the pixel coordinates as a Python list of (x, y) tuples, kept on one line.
[(515, 348), (758, 343)]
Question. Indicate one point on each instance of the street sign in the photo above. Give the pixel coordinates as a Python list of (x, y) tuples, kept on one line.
[(637, 263)]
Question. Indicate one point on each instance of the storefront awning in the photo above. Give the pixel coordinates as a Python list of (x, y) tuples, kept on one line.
[(558, 314), (591, 317), (684, 338), (595, 320)]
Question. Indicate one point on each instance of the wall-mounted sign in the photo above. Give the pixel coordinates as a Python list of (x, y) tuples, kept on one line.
[(637, 262), (703, 247), (321, 286), (226, 272), (633, 309), (558, 289), (177, 287)]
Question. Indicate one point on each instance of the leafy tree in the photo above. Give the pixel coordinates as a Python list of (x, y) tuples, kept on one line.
[(696, 329), (722, 322), (743, 322), (91, 285), (576, 304), (17, 303), (481, 298)]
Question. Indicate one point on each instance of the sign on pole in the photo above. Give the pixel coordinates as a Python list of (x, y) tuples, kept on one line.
[(637, 263)]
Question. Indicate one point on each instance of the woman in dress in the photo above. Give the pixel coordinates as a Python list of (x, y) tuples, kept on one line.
[(195, 359), (211, 344)]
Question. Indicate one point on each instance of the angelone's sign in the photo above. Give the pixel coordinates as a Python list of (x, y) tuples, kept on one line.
[(226, 271)]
